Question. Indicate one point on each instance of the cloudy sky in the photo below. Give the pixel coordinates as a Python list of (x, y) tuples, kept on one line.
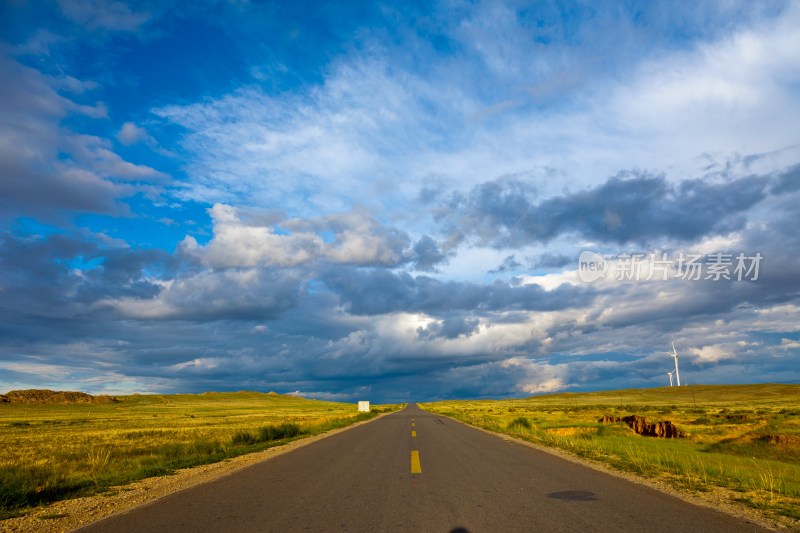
[(389, 200)]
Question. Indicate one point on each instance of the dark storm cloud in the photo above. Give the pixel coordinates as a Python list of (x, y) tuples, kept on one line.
[(426, 254), (374, 291), (169, 321), (50, 291), (32, 180), (779, 243), (63, 275), (31, 190), (627, 208), (787, 181), (36, 277), (47, 169), (258, 294)]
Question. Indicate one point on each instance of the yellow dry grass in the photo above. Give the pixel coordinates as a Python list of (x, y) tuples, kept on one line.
[(56, 451), (742, 439)]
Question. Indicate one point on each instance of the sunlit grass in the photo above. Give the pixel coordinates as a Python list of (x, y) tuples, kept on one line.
[(745, 438), (52, 452)]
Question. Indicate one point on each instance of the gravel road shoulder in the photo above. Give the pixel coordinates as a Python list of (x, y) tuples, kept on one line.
[(717, 498), (68, 515)]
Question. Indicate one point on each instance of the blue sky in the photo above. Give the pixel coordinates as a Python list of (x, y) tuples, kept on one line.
[(389, 200)]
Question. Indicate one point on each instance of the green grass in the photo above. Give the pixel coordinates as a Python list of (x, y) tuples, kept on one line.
[(745, 438), (53, 452), (269, 433)]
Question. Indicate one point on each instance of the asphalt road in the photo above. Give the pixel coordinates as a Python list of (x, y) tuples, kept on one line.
[(415, 471)]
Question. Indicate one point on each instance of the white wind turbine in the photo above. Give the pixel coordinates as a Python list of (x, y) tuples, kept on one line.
[(677, 373), (670, 377)]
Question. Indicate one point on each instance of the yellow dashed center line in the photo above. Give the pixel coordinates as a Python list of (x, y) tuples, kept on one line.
[(416, 468)]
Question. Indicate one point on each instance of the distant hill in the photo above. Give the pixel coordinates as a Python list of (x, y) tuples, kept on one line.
[(45, 396)]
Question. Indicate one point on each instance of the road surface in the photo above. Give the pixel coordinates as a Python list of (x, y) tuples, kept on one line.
[(416, 471)]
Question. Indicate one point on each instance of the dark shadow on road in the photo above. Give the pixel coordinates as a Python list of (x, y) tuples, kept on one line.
[(573, 495)]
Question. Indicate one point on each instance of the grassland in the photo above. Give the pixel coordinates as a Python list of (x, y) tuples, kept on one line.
[(52, 452), (743, 440)]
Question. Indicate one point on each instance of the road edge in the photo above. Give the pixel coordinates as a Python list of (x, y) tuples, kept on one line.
[(719, 503), (133, 495)]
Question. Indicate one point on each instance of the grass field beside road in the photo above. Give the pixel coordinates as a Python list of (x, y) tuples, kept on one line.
[(745, 438), (51, 452)]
